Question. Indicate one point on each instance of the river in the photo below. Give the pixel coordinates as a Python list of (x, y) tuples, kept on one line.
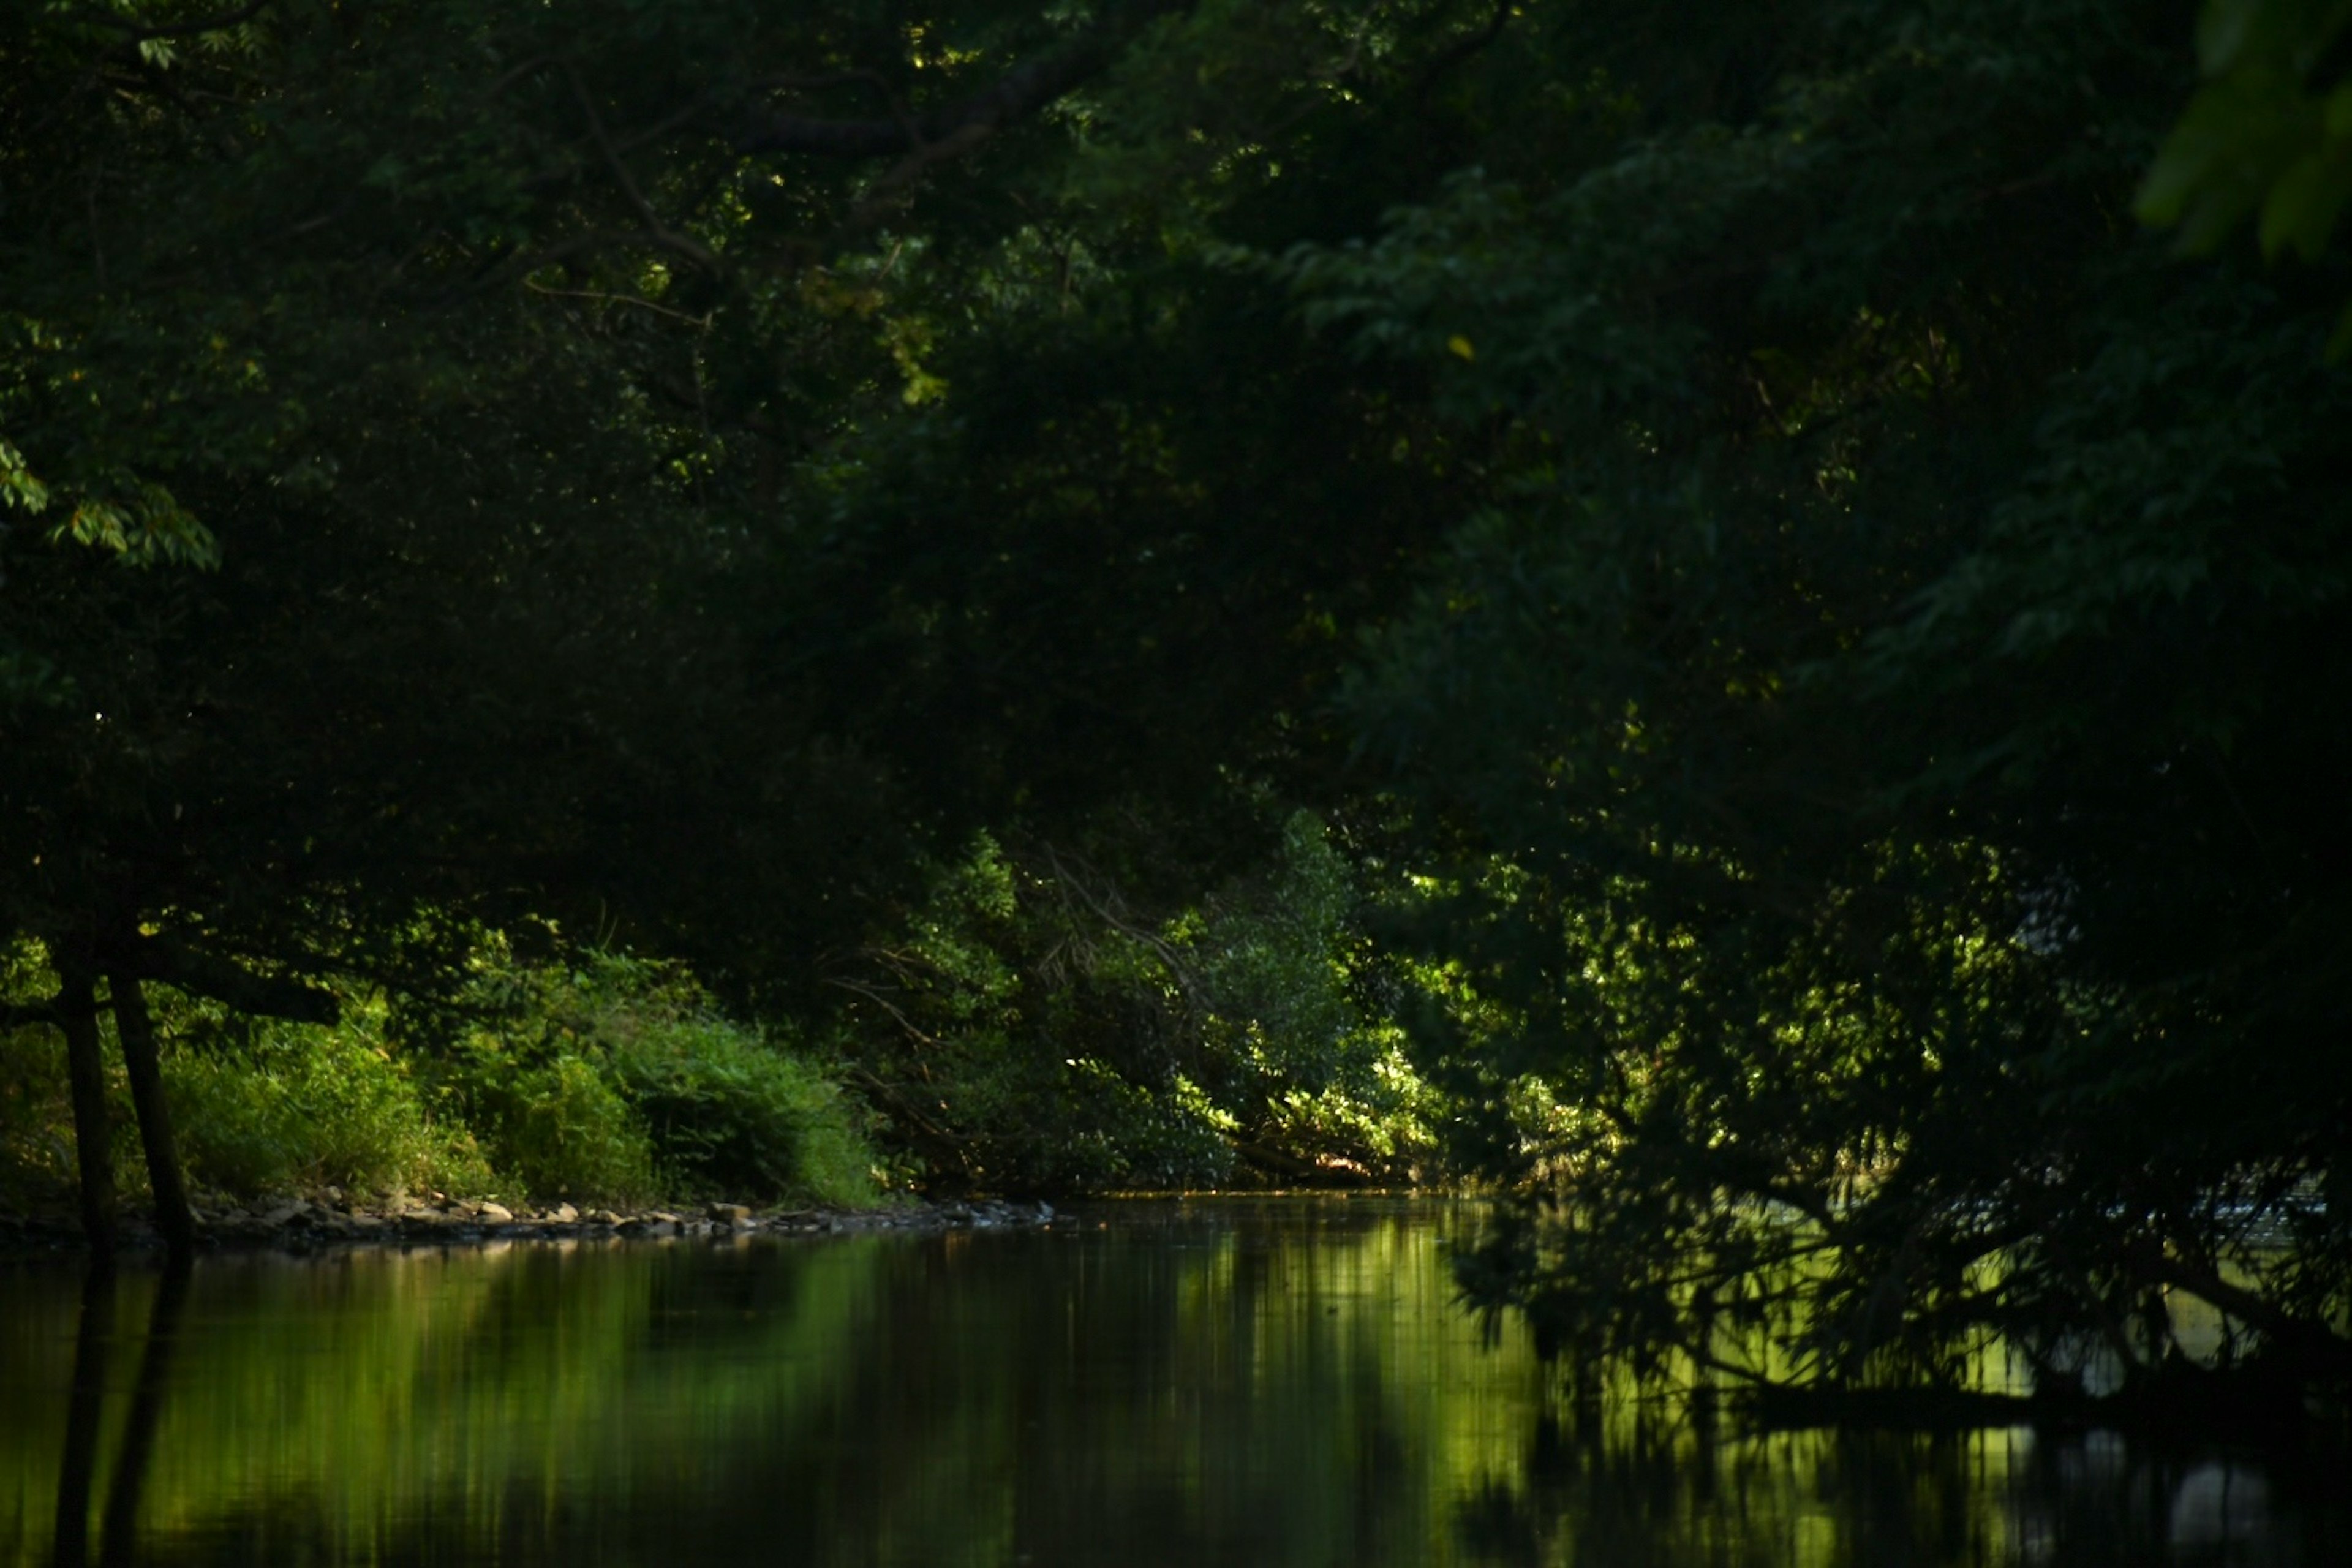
[(1272, 1382)]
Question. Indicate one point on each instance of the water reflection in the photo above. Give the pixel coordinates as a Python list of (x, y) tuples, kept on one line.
[(78, 1466), (1259, 1385)]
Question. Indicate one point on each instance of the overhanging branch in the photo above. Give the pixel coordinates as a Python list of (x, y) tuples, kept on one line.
[(26, 1015), (2315, 1342), (233, 984)]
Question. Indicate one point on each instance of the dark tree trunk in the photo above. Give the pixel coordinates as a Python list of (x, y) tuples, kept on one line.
[(137, 1032), (93, 1136)]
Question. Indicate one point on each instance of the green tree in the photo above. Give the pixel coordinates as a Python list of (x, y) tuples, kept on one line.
[(2268, 136), (1873, 729), (473, 344)]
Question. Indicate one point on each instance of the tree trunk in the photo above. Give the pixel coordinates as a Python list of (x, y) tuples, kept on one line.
[(136, 1030), (93, 1136)]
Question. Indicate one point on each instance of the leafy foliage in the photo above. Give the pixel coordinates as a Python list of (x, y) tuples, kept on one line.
[(2268, 136), (621, 1080), (1853, 724), (1039, 1030), (1694, 564)]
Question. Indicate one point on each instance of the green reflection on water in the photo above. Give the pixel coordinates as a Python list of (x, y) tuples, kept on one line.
[(1275, 1383)]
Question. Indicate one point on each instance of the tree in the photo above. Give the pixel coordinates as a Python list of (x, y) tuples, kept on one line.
[(1871, 728), (470, 326)]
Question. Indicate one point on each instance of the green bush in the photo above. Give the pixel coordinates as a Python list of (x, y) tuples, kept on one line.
[(729, 1114), (618, 1078), (258, 1107), (36, 1157), (555, 1129), (292, 1106)]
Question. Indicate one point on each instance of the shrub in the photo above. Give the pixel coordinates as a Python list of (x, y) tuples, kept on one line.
[(556, 1128), (1052, 1034), (263, 1107), (619, 1077), (37, 1159), (617, 1080)]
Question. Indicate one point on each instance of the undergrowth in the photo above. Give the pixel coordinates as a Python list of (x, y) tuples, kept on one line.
[(612, 1079)]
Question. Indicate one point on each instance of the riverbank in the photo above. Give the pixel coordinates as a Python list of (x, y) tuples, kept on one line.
[(329, 1220)]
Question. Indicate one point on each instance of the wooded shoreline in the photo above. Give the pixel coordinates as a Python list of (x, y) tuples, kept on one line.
[(1678, 608)]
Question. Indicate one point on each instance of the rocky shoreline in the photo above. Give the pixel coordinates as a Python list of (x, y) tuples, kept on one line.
[(329, 1220)]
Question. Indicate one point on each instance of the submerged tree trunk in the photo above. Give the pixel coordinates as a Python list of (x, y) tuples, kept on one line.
[(85, 1069), (136, 1030)]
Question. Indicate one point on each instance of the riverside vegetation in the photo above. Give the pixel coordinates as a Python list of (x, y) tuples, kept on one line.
[(1730, 622)]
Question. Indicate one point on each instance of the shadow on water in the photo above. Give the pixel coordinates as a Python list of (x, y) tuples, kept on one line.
[(1171, 1384)]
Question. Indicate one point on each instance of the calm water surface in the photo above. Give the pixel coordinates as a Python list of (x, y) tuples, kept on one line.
[(1231, 1382)]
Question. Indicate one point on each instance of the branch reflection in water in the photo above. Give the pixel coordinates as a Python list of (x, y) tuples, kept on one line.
[(1264, 1383)]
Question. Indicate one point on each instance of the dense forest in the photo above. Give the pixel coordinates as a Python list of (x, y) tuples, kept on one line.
[(1730, 622)]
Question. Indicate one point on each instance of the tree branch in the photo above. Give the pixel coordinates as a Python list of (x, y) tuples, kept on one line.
[(1462, 49), (1020, 92), (701, 323), (660, 231), (2321, 1344), (27, 1015), (204, 974)]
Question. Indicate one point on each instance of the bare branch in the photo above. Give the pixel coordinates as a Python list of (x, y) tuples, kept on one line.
[(871, 995), (660, 231), (701, 323), (1105, 907)]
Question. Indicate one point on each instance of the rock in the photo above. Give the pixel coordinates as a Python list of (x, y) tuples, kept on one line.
[(496, 1213), (1045, 1213), (286, 1213), (730, 1213), (604, 1216), (563, 1213)]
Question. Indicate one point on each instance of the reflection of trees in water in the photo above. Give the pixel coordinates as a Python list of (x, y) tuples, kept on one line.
[(1303, 1392), (77, 1468), (1594, 1493)]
